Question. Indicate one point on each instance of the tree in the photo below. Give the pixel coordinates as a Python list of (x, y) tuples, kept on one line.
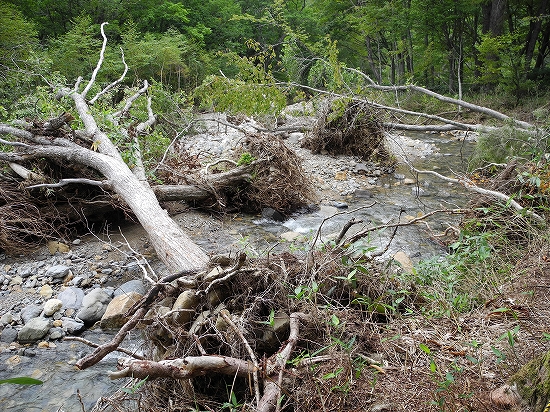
[(98, 152)]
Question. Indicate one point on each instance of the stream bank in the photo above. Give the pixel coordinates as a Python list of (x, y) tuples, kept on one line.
[(346, 184)]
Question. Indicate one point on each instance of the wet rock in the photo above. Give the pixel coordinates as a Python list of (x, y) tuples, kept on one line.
[(30, 312), (327, 211), (272, 214), (71, 297), (72, 326), (94, 305), (58, 271), (340, 205), (135, 285), (56, 333), (184, 307), (8, 335), (52, 306), (114, 318), (35, 329), (290, 236)]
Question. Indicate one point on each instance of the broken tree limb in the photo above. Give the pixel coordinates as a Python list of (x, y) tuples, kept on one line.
[(361, 234), (468, 184), (276, 366), (470, 106), (183, 368)]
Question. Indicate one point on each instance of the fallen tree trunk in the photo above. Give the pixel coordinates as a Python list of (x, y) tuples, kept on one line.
[(173, 246)]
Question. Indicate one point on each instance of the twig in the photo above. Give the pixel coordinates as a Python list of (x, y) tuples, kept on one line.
[(64, 182), (225, 315), (364, 232), (471, 186), (95, 345)]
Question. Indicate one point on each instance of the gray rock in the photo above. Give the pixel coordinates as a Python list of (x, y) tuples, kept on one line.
[(94, 305), (362, 194), (30, 312), (56, 333), (8, 335), (71, 298), (340, 205), (6, 318), (58, 271), (27, 270), (135, 285), (35, 329), (72, 326)]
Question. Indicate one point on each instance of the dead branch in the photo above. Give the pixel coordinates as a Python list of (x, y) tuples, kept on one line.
[(273, 385), (183, 368), (368, 230), (225, 315), (95, 345), (468, 184), (113, 84)]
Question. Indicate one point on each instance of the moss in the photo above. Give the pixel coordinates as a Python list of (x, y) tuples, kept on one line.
[(533, 382)]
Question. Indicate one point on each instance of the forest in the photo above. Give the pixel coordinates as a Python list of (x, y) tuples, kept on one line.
[(97, 98)]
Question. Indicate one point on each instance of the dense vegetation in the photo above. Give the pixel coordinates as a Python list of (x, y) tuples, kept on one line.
[(448, 46)]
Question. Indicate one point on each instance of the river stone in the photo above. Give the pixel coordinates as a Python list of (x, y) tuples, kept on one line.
[(27, 270), (30, 312), (94, 306), (272, 214), (58, 271), (409, 181), (6, 318), (135, 285), (114, 318), (72, 325), (56, 333), (71, 298), (35, 329), (327, 211), (55, 247), (8, 335), (46, 291), (52, 306), (290, 236), (184, 307), (405, 261)]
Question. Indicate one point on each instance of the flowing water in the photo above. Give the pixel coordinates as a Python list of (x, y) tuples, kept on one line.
[(391, 198)]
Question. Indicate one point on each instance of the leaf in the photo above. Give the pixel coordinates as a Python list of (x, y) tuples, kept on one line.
[(95, 145), (424, 348), (22, 381)]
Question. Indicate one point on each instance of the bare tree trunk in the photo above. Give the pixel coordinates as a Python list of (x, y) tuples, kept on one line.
[(174, 248)]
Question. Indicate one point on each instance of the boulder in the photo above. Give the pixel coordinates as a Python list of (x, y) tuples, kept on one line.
[(94, 305), (71, 326), (8, 335), (71, 297), (135, 285), (58, 271), (184, 307), (34, 330), (271, 214), (30, 312), (114, 318)]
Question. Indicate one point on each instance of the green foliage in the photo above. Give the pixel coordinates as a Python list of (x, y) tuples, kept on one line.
[(499, 146), (237, 96), (22, 381), (245, 159), (446, 281)]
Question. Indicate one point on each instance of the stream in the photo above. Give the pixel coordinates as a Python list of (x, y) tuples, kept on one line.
[(390, 196)]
